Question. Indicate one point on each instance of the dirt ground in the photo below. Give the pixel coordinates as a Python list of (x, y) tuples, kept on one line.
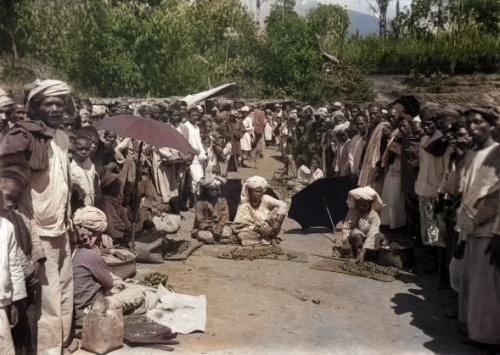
[(266, 306)]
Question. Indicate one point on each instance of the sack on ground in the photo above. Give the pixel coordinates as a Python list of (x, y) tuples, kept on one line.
[(102, 328)]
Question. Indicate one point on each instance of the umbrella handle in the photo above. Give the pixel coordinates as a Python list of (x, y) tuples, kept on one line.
[(134, 194), (329, 214)]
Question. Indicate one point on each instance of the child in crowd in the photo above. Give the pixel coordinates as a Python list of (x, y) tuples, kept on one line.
[(84, 179)]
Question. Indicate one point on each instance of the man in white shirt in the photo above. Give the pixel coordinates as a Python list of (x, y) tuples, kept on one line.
[(48, 101), (194, 138)]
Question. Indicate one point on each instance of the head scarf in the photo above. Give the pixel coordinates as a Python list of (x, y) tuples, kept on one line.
[(342, 127), (5, 99), (367, 194), (211, 180), (252, 183), (48, 88), (245, 109), (91, 218), (338, 113)]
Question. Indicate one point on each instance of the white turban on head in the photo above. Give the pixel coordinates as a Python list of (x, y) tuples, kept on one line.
[(245, 109), (47, 88), (367, 194), (5, 99), (211, 180), (91, 218), (252, 183), (342, 127)]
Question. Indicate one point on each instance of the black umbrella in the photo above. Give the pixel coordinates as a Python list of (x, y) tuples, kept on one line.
[(323, 203)]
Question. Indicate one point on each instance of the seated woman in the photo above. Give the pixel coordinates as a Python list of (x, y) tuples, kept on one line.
[(359, 232), (211, 220), (259, 216), (91, 276)]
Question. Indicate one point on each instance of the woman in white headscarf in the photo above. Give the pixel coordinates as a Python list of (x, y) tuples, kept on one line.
[(259, 216), (360, 231)]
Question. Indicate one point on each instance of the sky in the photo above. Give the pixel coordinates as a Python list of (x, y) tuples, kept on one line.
[(362, 5)]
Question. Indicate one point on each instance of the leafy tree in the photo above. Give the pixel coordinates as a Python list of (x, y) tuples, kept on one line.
[(329, 20), (292, 56)]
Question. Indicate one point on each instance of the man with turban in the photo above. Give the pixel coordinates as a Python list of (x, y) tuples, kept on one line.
[(259, 216), (359, 232), (211, 219), (48, 102), (90, 273)]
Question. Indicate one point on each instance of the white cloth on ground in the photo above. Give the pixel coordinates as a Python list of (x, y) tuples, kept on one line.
[(183, 314)]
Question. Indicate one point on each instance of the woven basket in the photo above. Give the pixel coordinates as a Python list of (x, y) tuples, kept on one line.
[(123, 269)]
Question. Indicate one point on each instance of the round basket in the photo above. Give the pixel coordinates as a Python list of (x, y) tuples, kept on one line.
[(123, 268)]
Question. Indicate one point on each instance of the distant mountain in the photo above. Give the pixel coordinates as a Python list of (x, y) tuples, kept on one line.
[(360, 23)]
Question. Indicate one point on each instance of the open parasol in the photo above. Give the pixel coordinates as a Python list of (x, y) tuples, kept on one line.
[(146, 130)]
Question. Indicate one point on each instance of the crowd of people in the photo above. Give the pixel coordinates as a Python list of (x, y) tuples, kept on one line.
[(67, 188)]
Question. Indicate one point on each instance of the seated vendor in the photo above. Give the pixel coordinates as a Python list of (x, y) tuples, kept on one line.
[(359, 232), (211, 220), (118, 217), (91, 276), (259, 216), (306, 176)]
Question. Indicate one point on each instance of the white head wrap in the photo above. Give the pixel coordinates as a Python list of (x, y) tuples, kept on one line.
[(91, 218), (213, 180), (252, 183), (365, 193), (342, 127), (337, 104), (5, 99), (323, 111), (47, 88), (245, 109), (417, 119)]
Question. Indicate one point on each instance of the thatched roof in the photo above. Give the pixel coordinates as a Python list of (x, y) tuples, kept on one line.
[(413, 102)]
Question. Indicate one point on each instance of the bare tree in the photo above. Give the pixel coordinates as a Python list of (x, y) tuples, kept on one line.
[(379, 7)]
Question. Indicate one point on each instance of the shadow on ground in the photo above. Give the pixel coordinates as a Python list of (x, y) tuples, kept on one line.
[(427, 306)]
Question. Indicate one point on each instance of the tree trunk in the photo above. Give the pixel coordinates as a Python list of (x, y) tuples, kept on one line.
[(13, 45)]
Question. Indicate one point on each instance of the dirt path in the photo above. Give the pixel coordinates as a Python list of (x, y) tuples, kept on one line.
[(265, 306)]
